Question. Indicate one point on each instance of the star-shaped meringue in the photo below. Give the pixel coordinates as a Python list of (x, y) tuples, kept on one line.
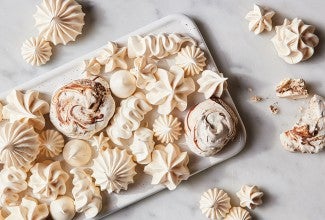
[(92, 67), (100, 142), (144, 69), (112, 57), (211, 83), (259, 19)]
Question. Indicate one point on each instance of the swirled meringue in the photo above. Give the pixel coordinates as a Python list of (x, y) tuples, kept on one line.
[(144, 70), (171, 90), (77, 152), (82, 108), (215, 203), (294, 41), (100, 142), (122, 84), (86, 195), (113, 57), (18, 144), (250, 196), (142, 145), (191, 59), (36, 51), (52, 143), (238, 213), (113, 170), (292, 88), (26, 107), (168, 166), (30, 209), (209, 126), (212, 84), (167, 128), (92, 67), (128, 118), (48, 180), (62, 208), (59, 21), (159, 46), (259, 19)]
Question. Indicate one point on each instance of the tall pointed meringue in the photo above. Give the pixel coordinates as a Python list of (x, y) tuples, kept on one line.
[(212, 84), (191, 59), (238, 213), (52, 143), (167, 128), (250, 196), (260, 19), (36, 51), (142, 145)]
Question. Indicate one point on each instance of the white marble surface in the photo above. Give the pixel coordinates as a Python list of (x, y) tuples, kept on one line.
[(293, 183)]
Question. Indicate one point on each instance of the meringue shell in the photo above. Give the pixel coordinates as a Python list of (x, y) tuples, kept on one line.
[(212, 84), (36, 51), (122, 84), (100, 142), (250, 196), (52, 143), (167, 128), (77, 152), (62, 208), (259, 19), (142, 145), (191, 59), (144, 70), (34, 210), (92, 67), (238, 213)]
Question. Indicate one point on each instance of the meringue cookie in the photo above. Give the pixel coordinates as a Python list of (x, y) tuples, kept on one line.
[(16, 212), (170, 91), (77, 152), (142, 145), (167, 128), (237, 213), (168, 166), (294, 41), (1, 108), (191, 59), (260, 19), (209, 126), (26, 107), (292, 88), (82, 108), (52, 143), (212, 84), (34, 210), (122, 84), (92, 67), (215, 203), (250, 196), (36, 51), (113, 170), (100, 142), (62, 208), (144, 70), (59, 21)]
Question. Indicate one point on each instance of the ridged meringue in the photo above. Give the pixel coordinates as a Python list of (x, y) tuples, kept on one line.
[(295, 41), (36, 51), (52, 143), (113, 57), (250, 196), (144, 70), (168, 166), (82, 108), (238, 213), (142, 145), (191, 59), (86, 195), (171, 90), (26, 107), (30, 209), (259, 19), (77, 152), (19, 144), (48, 180), (62, 208), (159, 46), (92, 67), (212, 84), (215, 203), (59, 21), (122, 84), (209, 126), (128, 117), (113, 170), (167, 128), (292, 88), (100, 142)]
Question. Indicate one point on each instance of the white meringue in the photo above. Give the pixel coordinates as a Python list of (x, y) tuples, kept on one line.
[(167, 128), (52, 143), (59, 21), (142, 145), (144, 70), (92, 67), (34, 210), (36, 51), (122, 84), (260, 19), (250, 196), (26, 107), (292, 88), (1, 108), (77, 152), (100, 142), (191, 59), (171, 90), (212, 84), (62, 208), (168, 166), (238, 213), (294, 41), (16, 212)]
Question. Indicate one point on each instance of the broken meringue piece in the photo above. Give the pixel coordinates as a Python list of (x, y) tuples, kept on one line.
[(122, 84), (144, 70), (167, 128), (238, 213), (292, 88), (250, 196), (212, 84), (52, 143), (92, 67), (77, 152), (260, 19), (191, 59), (142, 145), (100, 142), (36, 51), (62, 208)]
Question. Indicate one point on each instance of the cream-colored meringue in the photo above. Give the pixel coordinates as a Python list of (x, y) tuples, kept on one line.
[(113, 170), (100, 142), (122, 84), (92, 67), (86, 195), (308, 134), (215, 203), (62, 208), (144, 70), (1, 108), (209, 126), (113, 57), (167, 128), (52, 143), (191, 59), (168, 166), (77, 152), (212, 84), (259, 19), (238, 213), (82, 108), (59, 21), (26, 107), (34, 210), (48, 180), (36, 51), (142, 145), (171, 90), (18, 144), (292, 88), (294, 41), (16, 212), (159, 46), (128, 117), (250, 196)]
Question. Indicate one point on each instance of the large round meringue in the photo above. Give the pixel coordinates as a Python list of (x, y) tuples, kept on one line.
[(36, 51), (52, 143), (62, 208)]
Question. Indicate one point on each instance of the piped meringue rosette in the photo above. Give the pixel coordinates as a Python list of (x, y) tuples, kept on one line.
[(209, 126)]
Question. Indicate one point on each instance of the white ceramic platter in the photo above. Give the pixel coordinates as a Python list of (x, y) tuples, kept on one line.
[(142, 188)]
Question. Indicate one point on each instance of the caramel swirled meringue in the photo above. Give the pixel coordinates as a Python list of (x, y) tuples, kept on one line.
[(250, 196), (62, 208), (142, 145), (191, 59), (144, 70), (238, 213), (212, 84), (52, 143), (82, 108), (167, 128), (209, 126), (77, 152), (292, 88), (36, 51), (259, 19)]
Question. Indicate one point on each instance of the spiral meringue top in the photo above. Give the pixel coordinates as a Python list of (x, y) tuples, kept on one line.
[(144, 70), (191, 59), (36, 51), (52, 143), (250, 196), (260, 19), (238, 213), (212, 84), (77, 152), (142, 145), (167, 128)]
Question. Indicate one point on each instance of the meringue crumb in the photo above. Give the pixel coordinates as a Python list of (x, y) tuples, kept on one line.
[(250, 90), (256, 98), (274, 108)]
